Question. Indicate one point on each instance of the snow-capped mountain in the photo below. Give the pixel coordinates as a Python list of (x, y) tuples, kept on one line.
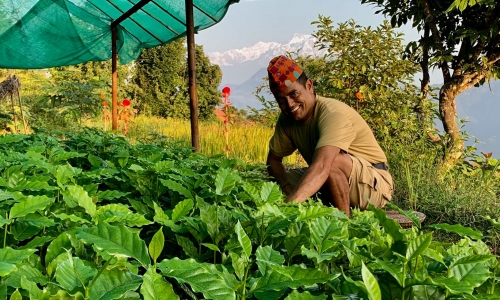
[(231, 57), (240, 64)]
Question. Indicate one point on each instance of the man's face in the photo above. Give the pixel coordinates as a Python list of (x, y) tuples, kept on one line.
[(297, 101)]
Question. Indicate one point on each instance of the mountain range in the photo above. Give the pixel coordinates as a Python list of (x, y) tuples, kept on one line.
[(244, 69)]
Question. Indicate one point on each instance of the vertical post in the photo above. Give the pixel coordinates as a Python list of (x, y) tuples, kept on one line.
[(114, 80), (193, 93)]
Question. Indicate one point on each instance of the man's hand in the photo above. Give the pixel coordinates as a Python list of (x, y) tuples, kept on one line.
[(287, 189)]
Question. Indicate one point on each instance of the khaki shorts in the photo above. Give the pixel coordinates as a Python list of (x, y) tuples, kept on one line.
[(366, 183)]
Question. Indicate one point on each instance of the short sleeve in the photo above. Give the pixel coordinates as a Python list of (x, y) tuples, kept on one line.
[(280, 144), (335, 129)]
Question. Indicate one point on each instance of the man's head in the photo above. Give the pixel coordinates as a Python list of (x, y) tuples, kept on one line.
[(293, 91)]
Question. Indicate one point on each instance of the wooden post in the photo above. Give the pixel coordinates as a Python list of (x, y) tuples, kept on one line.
[(193, 93), (114, 80)]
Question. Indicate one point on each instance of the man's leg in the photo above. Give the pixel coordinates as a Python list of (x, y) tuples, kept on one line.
[(335, 191)]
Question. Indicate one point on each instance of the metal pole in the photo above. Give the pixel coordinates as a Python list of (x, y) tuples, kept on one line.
[(114, 80), (193, 93)]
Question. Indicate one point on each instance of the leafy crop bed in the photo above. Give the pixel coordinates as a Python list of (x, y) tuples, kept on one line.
[(91, 216)]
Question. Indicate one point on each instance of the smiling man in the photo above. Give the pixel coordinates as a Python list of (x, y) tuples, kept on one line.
[(346, 164)]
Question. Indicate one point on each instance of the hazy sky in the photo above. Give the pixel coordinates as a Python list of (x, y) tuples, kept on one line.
[(251, 21)]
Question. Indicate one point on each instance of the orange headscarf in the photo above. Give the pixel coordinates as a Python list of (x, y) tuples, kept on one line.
[(284, 72)]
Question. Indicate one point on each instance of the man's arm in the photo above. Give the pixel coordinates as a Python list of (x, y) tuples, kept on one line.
[(316, 175), (277, 170)]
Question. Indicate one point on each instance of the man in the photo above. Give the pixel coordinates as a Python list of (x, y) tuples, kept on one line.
[(346, 164)]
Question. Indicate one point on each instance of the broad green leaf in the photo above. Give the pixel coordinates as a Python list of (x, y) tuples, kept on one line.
[(418, 245), (182, 209), (177, 187), (82, 198), (187, 246), (245, 242), (4, 195), (391, 226), (95, 161), (267, 256), (29, 272), (474, 274), (238, 264), (128, 219), (4, 221), (136, 168), (33, 184), (289, 277), (64, 174), (209, 216), (495, 223), (66, 156), (162, 218), (225, 180), (154, 287), (32, 288), (163, 166), (29, 205), (156, 245), (63, 295), (371, 284), (313, 212), (113, 284), (427, 292), (458, 229), (116, 241), (211, 246), (16, 295), (408, 213), (110, 195), (434, 255), (72, 273), (23, 231), (395, 269), (12, 256), (293, 245), (453, 285), (296, 295), (471, 259), (325, 233), (72, 218), (202, 277), (317, 257), (59, 245), (7, 268), (270, 192)]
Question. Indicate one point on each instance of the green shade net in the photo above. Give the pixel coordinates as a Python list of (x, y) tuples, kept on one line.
[(37, 34)]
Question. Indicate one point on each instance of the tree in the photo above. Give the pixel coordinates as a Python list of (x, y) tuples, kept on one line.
[(463, 43), (160, 79), (208, 79), (163, 81), (364, 67)]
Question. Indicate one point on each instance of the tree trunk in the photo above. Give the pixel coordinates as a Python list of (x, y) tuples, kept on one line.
[(448, 113)]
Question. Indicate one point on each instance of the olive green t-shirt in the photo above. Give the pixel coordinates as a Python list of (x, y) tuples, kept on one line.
[(333, 123)]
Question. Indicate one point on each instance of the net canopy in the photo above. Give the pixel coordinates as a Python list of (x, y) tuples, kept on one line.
[(37, 34)]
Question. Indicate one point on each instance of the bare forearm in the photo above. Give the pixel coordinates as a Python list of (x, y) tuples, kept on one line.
[(277, 170), (312, 180)]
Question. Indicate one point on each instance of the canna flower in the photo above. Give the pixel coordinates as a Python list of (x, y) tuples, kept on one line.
[(126, 102), (359, 95)]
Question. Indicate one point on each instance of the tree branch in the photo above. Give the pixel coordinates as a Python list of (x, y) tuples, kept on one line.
[(435, 34)]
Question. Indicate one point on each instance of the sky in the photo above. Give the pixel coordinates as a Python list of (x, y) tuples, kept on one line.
[(251, 21)]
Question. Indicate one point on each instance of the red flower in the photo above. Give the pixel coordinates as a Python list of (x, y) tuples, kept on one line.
[(225, 121), (104, 103), (226, 91), (126, 102), (359, 95)]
